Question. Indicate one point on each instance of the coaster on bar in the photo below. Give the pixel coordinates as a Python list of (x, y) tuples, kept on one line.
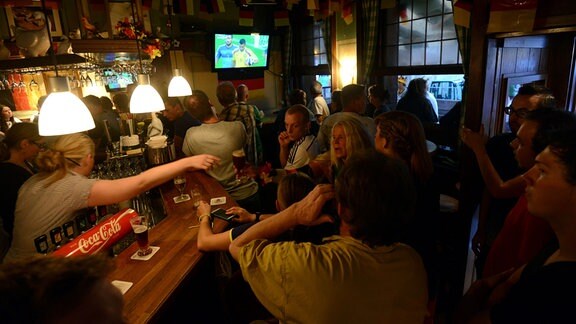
[(135, 256), (183, 198), (123, 286), (217, 201)]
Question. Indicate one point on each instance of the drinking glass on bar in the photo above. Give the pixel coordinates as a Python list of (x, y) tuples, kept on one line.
[(140, 226), (239, 161), (180, 184)]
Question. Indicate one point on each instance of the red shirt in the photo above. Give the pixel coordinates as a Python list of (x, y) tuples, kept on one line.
[(521, 238)]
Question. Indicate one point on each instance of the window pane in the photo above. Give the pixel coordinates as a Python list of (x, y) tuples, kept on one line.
[(447, 6), (418, 54), (404, 55), (405, 13), (450, 52), (434, 30), (418, 30), (433, 53), (434, 7), (449, 29), (404, 33), (419, 9)]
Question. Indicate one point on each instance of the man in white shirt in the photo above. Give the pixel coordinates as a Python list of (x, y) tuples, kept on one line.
[(318, 105), (297, 146)]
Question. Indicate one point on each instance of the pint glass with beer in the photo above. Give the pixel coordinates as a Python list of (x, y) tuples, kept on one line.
[(140, 226), (239, 161)]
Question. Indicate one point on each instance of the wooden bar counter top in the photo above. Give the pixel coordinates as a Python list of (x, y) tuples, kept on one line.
[(155, 280)]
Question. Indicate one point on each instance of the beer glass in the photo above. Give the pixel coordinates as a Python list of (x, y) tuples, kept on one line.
[(239, 161), (180, 184), (140, 226)]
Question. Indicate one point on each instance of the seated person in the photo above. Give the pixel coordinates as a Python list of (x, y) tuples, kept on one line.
[(348, 137), (181, 121), (292, 188), (297, 146), (60, 290), (220, 138), (362, 275), (543, 290)]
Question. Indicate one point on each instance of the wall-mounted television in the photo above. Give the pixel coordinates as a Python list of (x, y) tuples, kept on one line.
[(117, 81), (240, 51)]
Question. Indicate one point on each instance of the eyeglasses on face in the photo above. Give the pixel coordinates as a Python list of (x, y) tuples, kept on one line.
[(520, 112), (41, 146)]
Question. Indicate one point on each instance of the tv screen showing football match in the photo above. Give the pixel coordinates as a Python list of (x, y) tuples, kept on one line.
[(240, 51)]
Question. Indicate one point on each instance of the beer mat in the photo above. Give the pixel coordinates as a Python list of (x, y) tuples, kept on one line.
[(183, 198), (217, 201), (135, 256), (123, 286)]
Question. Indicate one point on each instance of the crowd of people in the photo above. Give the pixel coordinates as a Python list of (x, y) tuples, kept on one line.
[(356, 197)]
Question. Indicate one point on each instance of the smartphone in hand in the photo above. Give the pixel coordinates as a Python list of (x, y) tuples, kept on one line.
[(221, 213)]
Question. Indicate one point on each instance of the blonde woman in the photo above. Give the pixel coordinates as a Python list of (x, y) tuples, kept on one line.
[(348, 136), (61, 188)]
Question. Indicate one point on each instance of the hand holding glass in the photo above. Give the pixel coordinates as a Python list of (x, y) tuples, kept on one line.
[(140, 227)]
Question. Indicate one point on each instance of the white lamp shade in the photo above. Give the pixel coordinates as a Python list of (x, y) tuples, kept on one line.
[(145, 98), (179, 87), (63, 113)]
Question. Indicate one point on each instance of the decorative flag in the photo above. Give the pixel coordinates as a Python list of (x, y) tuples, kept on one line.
[(214, 6), (347, 12), (246, 18), (281, 18), (312, 5), (203, 12), (512, 15), (462, 12)]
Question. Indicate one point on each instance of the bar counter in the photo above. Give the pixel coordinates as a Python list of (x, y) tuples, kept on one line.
[(155, 280)]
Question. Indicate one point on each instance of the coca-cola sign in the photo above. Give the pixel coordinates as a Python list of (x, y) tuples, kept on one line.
[(101, 236)]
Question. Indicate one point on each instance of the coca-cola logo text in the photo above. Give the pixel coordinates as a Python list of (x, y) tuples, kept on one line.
[(94, 242)]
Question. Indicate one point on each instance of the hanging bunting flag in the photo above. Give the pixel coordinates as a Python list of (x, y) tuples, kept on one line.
[(281, 18), (312, 5), (347, 12), (246, 18), (512, 15), (190, 7), (214, 6), (203, 13), (388, 4), (462, 13)]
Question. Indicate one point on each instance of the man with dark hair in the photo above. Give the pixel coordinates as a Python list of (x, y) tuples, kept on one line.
[(224, 53), (522, 235), (318, 105), (233, 111), (494, 208), (297, 146), (59, 290), (243, 56), (181, 119), (354, 104), (362, 275), (219, 138)]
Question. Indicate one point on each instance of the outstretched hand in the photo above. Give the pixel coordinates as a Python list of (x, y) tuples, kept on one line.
[(308, 211), (203, 161)]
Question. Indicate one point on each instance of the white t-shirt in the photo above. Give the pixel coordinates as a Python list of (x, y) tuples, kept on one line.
[(318, 106), (302, 152), (433, 102), (221, 139)]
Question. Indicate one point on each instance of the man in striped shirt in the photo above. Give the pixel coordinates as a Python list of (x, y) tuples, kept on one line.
[(297, 146)]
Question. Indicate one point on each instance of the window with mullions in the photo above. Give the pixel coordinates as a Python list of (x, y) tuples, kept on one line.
[(421, 32), (313, 49)]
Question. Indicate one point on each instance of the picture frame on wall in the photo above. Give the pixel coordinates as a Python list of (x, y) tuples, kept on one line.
[(28, 18)]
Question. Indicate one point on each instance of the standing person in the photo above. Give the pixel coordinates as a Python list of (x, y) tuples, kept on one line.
[(181, 120), (22, 143), (224, 53), (60, 290), (378, 101), (62, 188), (343, 279), (522, 235), (220, 138), (243, 56), (232, 111), (297, 146), (493, 209), (430, 96), (415, 101), (336, 105), (354, 101), (242, 91), (541, 291), (318, 105)]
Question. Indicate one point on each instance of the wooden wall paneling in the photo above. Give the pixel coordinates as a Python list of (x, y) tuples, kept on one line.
[(543, 64), (491, 87), (534, 59), (522, 60), (508, 62)]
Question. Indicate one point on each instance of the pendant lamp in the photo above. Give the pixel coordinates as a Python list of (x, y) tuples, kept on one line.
[(145, 98), (178, 86)]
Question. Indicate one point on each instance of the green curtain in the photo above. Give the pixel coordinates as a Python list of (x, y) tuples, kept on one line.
[(327, 40), (370, 11)]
